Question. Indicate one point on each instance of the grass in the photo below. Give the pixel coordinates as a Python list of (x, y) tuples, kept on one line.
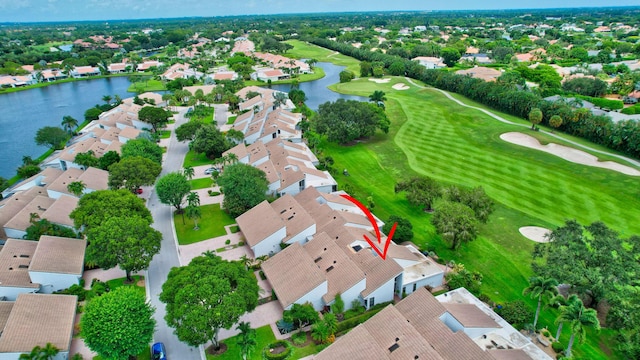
[(195, 159), (201, 183), (211, 225), (231, 119), (433, 136), (306, 50), (165, 134), (149, 85), (145, 355)]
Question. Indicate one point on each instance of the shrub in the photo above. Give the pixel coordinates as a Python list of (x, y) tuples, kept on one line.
[(241, 243), (545, 333), (283, 355), (299, 338), (262, 276), (557, 347), (75, 289), (516, 313), (227, 242)]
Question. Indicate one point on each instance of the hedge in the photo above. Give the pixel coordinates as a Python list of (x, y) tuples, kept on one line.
[(283, 355)]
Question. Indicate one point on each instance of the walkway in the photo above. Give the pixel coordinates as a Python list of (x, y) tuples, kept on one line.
[(448, 95)]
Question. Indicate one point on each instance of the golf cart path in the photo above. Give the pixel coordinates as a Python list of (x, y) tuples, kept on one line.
[(499, 118)]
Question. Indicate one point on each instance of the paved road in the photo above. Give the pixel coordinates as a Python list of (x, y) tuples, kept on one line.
[(168, 256), (220, 115)]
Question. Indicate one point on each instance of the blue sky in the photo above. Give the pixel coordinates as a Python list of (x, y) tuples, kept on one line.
[(65, 10)]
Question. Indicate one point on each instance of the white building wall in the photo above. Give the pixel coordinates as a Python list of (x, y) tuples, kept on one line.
[(451, 322), (327, 189), (353, 293), (51, 282), (433, 281), (14, 233), (54, 194), (301, 237), (11, 292), (273, 187), (252, 138), (257, 162), (314, 297), (141, 125), (63, 355), (292, 189), (270, 245), (383, 294)]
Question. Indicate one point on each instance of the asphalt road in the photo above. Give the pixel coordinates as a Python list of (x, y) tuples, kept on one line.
[(168, 256)]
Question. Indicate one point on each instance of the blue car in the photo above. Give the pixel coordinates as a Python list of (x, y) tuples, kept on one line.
[(158, 351)]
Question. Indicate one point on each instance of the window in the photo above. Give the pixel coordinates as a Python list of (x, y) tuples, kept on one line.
[(414, 287), (372, 301)]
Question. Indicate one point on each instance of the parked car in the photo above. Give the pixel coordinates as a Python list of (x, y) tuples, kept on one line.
[(210, 170), (139, 191), (158, 352)]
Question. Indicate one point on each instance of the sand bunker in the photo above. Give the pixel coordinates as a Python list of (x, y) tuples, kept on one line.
[(535, 233), (380, 81), (400, 86), (567, 153)]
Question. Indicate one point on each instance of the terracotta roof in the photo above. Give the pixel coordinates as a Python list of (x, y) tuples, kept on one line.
[(481, 72), (508, 354), (378, 271), (470, 316), (292, 273), (60, 184), (59, 211), (59, 255), (15, 257), (38, 319), (21, 220), (239, 150), (259, 223), (270, 171), (5, 311), (129, 133), (12, 205)]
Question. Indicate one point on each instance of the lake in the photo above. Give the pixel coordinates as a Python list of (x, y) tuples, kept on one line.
[(24, 112)]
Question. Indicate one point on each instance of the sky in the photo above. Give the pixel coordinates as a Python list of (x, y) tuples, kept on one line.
[(75, 10)]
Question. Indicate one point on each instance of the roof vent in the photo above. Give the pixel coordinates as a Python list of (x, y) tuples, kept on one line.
[(330, 268), (23, 266), (24, 256), (290, 217), (317, 259), (393, 347)]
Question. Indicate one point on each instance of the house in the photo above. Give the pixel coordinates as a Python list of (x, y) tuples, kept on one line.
[(481, 72), (41, 179), (84, 71), (268, 74), (422, 326), (117, 68), (35, 320), (92, 178), (55, 210), (225, 75), (45, 266), (430, 62), (148, 64)]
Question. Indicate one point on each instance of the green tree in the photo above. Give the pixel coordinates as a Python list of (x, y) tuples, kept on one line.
[(118, 324), (404, 229), (244, 187), (535, 116), (556, 302), (331, 321), (542, 289), (194, 213), (96, 207), (297, 96), (338, 305), (347, 120), (302, 315), (420, 191), (41, 353), (142, 147), (76, 188), (69, 124), (210, 141), (129, 242), (450, 56), (45, 227), (188, 172), (516, 313), (109, 158), (476, 199), (365, 69), (52, 136), (156, 117), (207, 295), (86, 159), (92, 114), (455, 222), (28, 170), (579, 319), (4, 184), (378, 97), (247, 341), (133, 172), (320, 332), (187, 131), (397, 68), (555, 121), (346, 76), (172, 188)]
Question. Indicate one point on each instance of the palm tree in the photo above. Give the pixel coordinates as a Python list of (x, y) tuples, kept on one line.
[(558, 301), (188, 172), (38, 353), (194, 213), (232, 158), (247, 261), (107, 99), (247, 340), (279, 98), (579, 319), (76, 188), (540, 287), (69, 123), (193, 199), (320, 332), (378, 97)]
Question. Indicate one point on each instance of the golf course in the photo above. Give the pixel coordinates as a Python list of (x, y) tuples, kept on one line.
[(431, 135)]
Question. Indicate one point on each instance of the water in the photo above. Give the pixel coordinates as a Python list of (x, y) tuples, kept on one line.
[(22, 113), (317, 91)]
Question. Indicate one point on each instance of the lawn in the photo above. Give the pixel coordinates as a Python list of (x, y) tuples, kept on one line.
[(195, 159), (264, 336), (211, 225), (201, 183), (165, 134), (305, 50), (231, 119), (433, 136), (145, 86)]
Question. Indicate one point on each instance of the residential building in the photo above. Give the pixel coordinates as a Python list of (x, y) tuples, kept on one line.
[(84, 71), (481, 72), (45, 266), (35, 320), (452, 326), (430, 62)]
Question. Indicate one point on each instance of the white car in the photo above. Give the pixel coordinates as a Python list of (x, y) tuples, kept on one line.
[(210, 170)]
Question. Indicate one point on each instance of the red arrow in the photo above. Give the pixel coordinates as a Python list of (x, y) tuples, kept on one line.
[(373, 222)]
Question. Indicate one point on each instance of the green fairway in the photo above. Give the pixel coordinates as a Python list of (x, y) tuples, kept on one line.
[(433, 136), (305, 50), (211, 225)]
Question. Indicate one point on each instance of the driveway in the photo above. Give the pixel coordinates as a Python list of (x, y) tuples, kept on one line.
[(265, 314)]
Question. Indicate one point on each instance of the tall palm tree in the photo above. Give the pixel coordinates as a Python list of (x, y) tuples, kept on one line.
[(279, 98), (247, 340), (69, 123), (540, 287), (246, 261), (378, 97), (107, 99), (188, 172), (232, 158), (557, 302), (194, 213), (193, 199), (579, 319)]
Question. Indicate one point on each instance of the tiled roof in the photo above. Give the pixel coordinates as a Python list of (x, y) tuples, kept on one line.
[(38, 319), (470, 316), (59, 255), (259, 223), (15, 257), (22, 219), (59, 211), (292, 273)]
